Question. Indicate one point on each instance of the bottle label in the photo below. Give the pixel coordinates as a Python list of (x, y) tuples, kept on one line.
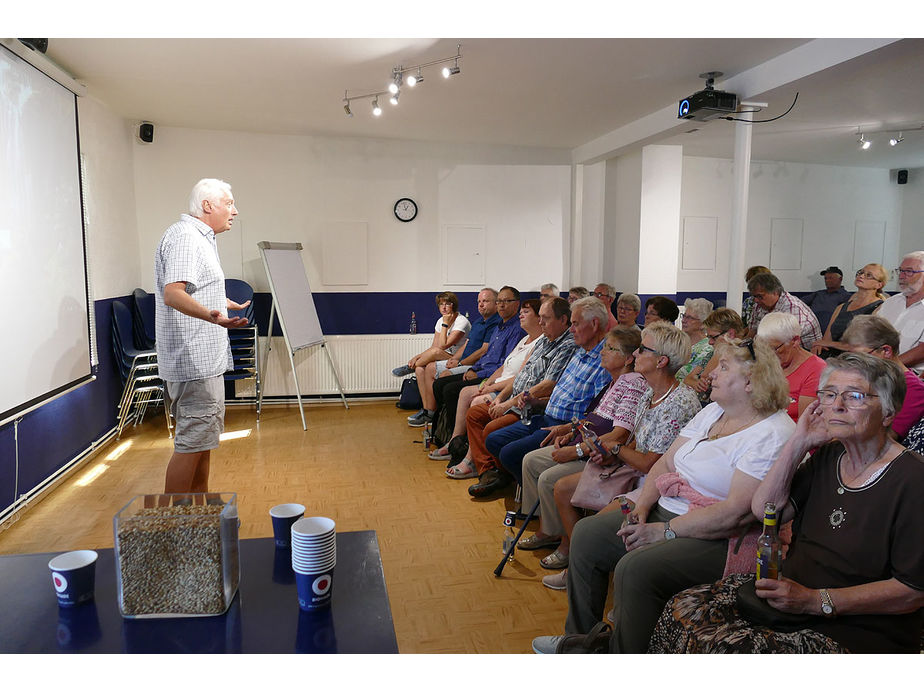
[(766, 567)]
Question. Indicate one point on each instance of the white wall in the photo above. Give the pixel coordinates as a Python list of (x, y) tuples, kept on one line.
[(832, 203), (912, 194), (292, 188), (112, 237)]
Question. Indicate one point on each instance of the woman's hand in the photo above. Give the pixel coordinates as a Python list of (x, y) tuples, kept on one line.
[(636, 536), (789, 596), (480, 399), (703, 383), (811, 429)]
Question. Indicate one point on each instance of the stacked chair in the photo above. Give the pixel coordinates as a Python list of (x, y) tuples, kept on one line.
[(137, 366), (244, 349)]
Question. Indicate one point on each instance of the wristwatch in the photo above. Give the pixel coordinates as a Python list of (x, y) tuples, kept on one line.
[(579, 451), (827, 605), (614, 451), (668, 532)]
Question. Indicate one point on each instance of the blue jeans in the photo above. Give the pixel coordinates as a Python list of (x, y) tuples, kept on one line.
[(511, 443)]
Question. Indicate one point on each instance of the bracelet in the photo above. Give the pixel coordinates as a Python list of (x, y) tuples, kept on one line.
[(579, 451)]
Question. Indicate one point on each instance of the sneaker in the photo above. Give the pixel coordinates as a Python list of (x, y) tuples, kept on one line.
[(559, 581), (415, 414), (546, 644), (402, 371), (420, 419)]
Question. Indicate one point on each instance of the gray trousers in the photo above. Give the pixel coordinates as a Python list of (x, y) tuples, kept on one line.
[(643, 580), (540, 472)]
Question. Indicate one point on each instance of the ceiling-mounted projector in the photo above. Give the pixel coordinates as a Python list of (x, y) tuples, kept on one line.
[(708, 104)]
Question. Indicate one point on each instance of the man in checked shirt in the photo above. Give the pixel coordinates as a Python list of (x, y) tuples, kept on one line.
[(193, 351)]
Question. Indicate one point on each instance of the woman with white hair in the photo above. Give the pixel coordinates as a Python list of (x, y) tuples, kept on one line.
[(783, 334), (695, 310)]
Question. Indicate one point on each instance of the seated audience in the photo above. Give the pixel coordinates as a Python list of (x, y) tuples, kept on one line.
[(722, 324), (660, 308), (612, 413), (479, 339), (695, 311), (868, 297), (487, 390), (664, 409), (628, 306), (824, 302), (782, 333), (853, 576), (870, 334), (451, 329), (550, 354), (747, 308), (548, 291), (577, 292), (607, 294), (905, 310), (696, 497), (770, 297), (582, 378), (506, 335)]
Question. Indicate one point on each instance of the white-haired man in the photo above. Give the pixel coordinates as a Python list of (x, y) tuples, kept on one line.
[(193, 351), (906, 310)]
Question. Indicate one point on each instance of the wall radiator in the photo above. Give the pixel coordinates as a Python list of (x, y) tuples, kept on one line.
[(364, 363)]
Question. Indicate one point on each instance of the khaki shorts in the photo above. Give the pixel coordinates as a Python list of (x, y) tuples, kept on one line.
[(198, 406)]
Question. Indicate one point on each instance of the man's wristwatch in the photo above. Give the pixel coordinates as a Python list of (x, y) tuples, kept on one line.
[(668, 532), (827, 605)]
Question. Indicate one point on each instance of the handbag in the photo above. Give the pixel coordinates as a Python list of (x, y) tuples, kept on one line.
[(597, 641), (599, 485), (759, 612), (410, 395)]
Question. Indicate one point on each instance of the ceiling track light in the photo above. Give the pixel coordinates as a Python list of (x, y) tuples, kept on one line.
[(893, 141), (863, 142), (411, 75)]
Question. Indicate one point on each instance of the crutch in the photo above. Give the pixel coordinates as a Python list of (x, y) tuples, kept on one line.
[(500, 566)]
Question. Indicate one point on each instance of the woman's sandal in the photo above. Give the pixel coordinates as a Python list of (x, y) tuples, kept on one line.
[(464, 470)]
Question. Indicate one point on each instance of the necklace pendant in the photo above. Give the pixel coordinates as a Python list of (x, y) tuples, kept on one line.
[(840, 490)]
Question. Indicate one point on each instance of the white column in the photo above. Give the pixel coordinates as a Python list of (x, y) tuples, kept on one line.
[(659, 219), (742, 173)]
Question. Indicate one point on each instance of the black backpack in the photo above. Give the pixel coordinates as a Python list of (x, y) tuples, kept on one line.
[(410, 395)]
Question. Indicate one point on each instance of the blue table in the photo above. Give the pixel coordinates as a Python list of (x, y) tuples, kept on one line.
[(263, 618)]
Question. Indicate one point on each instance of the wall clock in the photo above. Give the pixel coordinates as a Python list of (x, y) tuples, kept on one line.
[(405, 209)]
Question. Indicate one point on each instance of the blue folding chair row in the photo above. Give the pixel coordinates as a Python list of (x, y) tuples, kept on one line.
[(244, 351)]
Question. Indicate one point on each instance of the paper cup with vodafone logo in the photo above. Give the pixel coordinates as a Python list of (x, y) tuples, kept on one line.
[(314, 589), (284, 516), (73, 575)]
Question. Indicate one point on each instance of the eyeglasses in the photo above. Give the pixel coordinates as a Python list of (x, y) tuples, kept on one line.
[(907, 272), (749, 343), (607, 347), (713, 337), (866, 275), (600, 294), (851, 398), (505, 301), (688, 316), (642, 347)]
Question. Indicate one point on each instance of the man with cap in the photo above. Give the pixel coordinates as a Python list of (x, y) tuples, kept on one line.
[(825, 301)]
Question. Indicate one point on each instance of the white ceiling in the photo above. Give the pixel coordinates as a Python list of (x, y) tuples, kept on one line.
[(557, 93)]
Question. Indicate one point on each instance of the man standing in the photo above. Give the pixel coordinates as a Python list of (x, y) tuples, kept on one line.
[(906, 311), (825, 301), (607, 294), (193, 351), (770, 297), (582, 379)]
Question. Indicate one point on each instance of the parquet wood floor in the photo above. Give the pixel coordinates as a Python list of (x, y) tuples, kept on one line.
[(361, 467)]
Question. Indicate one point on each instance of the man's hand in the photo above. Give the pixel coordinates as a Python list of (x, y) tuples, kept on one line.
[(470, 374), (237, 306), (227, 323)]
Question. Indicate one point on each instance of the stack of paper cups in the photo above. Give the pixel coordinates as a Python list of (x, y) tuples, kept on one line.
[(314, 555)]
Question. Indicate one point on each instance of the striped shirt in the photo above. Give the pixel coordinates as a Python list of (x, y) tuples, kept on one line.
[(546, 362), (582, 378), (189, 348), (811, 330)]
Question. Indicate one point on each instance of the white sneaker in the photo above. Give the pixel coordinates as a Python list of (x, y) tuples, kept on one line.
[(559, 581), (546, 644)]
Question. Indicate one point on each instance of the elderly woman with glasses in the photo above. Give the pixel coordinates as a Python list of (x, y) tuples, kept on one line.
[(722, 324), (695, 312), (782, 332), (853, 577), (695, 498), (868, 297)]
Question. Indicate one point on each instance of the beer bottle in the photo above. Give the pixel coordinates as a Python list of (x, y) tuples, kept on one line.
[(769, 547)]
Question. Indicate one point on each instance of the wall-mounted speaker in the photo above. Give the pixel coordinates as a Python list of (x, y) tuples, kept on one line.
[(902, 176), (36, 44), (146, 132)]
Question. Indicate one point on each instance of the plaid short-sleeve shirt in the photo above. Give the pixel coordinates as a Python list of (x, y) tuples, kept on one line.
[(189, 348)]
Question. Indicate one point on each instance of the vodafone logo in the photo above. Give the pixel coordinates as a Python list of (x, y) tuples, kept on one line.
[(60, 582), (321, 585)]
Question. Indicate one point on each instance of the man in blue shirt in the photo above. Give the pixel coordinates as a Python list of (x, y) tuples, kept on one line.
[(479, 338), (506, 335), (582, 379), (825, 301)]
